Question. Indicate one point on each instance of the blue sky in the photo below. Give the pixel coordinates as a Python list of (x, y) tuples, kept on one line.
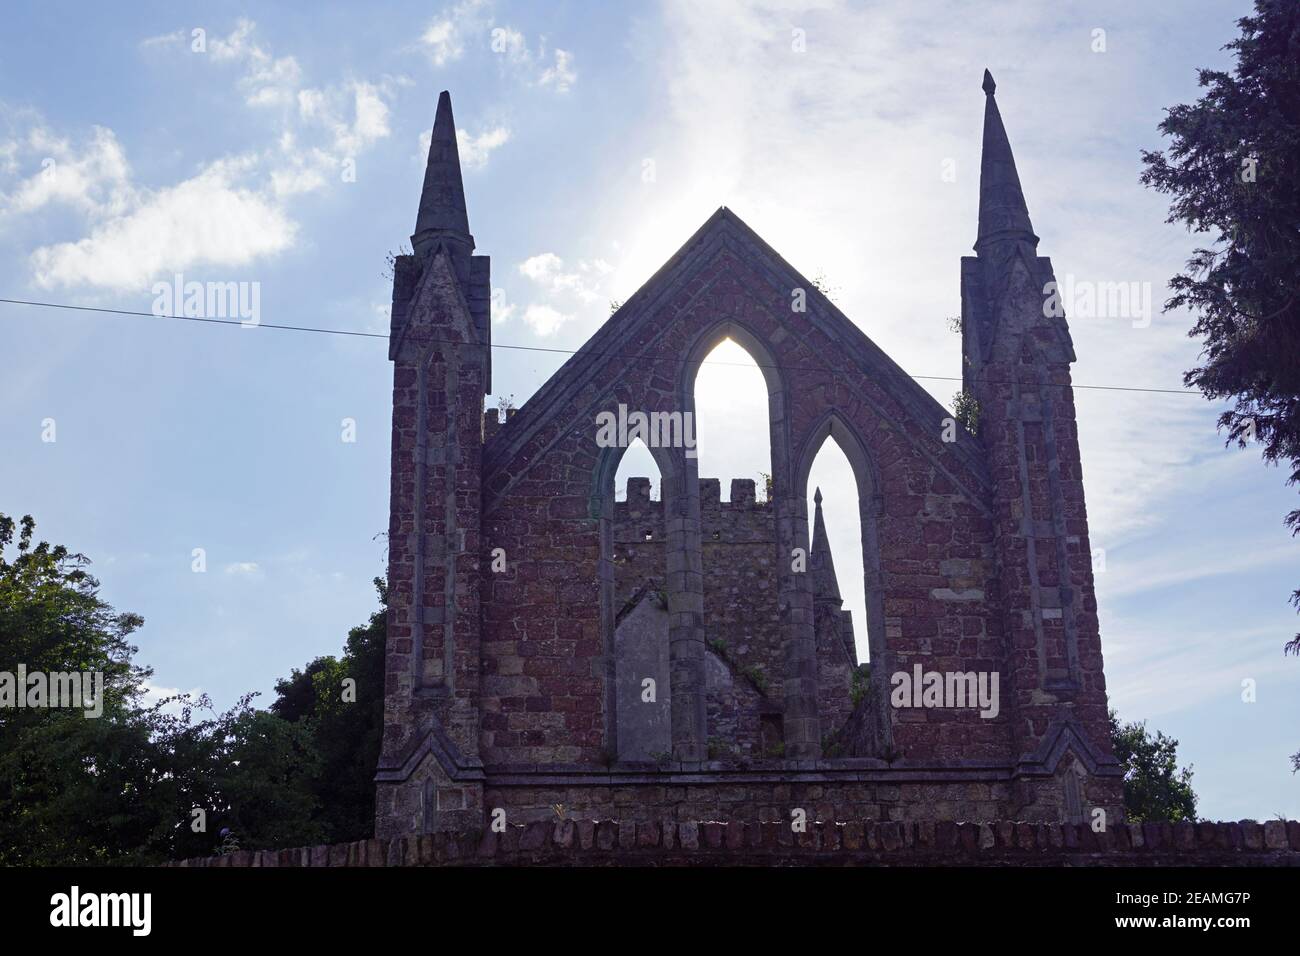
[(596, 137)]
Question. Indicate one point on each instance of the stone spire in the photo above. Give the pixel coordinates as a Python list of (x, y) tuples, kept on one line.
[(442, 212), (1003, 214), (825, 585)]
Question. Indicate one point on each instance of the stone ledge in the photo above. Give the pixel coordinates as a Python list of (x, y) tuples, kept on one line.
[(571, 842)]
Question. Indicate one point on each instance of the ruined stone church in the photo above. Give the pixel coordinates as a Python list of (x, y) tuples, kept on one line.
[(552, 647)]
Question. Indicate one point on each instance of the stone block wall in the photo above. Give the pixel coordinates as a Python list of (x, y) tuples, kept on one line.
[(744, 652), (742, 624), (586, 842)]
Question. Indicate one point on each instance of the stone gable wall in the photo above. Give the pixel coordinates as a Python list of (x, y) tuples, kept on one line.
[(558, 558), (543, 692)]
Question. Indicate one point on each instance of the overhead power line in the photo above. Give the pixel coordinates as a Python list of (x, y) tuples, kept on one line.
[(535, 348)]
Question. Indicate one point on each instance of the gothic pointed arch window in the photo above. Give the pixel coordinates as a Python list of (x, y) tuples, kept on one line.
[(635, 606), (734, 407), (732, 420), (839, 479)]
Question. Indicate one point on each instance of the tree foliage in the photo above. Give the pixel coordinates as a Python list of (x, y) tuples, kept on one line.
[(131, 785), (1155, 789), (1232, 170), (345, 721)]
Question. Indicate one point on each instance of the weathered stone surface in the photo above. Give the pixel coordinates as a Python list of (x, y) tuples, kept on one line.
[(1026, 836), (647, 834), (1003, 832), (713, 835), (1252, 835), (853, 835), (534, 836), (1275, 835), (606, 834), (828, 843), (1136, 837), (688, 835), (735, 835), (564, 833), (626, 834), (891, 836)]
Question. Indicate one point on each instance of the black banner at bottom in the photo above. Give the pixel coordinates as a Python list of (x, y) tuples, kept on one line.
[(334, 904)]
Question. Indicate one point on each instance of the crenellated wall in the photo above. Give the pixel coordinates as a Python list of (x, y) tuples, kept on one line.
[(742, 622)]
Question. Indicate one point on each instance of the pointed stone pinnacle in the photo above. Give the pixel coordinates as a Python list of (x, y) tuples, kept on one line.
[(1003, 215), (442, 201), (825, 585)]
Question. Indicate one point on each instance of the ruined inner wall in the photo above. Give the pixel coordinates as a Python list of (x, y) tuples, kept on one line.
[(744, 651)]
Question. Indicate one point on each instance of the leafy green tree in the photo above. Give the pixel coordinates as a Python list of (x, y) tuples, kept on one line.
[(72, 789), (1233, 171), (340, 703), (123, 787), (1154, 787), (248, 770)]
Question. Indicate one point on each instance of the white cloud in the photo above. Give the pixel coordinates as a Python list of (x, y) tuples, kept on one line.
[(1149, 675), (510, 43), (243, 568), (155, 694), (302, 173), (444, 37), (475, 150), (166, 39), (206, 220), (354, 114), (575, 288), (1156, 573), (236, 46), (267, 81), (371, 122), (547, 270), (449, 34), (502, 311), (545, 320), (233, 212), (561, 76), (443, 42), (271, 82), (96, 179)]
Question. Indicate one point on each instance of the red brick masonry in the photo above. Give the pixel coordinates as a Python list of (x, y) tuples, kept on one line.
[(611, 843)]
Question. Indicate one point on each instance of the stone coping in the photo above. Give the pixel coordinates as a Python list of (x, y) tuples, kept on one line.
[(570, 842)]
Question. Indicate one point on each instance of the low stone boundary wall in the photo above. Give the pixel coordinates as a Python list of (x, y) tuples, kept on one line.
[(614, 843)]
